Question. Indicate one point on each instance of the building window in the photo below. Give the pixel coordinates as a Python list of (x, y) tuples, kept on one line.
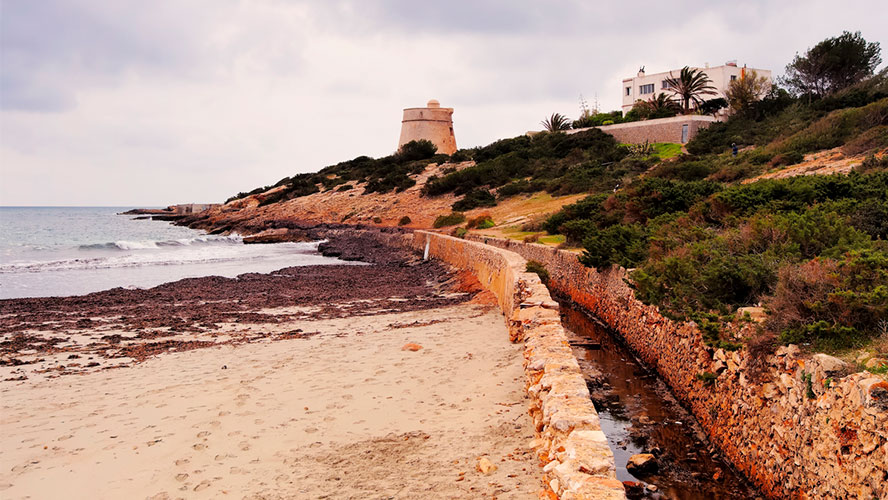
[(733, 77), (646, 89), (665, 84), (628, 90)]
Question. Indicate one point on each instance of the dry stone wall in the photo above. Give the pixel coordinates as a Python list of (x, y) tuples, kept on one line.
[(577, 462), (803, 432)]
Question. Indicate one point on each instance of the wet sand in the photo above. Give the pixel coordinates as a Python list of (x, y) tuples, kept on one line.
[(280, 397)]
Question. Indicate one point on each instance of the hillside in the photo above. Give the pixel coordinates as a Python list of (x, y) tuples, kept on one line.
[(794, 224)]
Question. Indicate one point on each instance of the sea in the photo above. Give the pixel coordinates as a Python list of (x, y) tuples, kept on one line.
[(60, 251)]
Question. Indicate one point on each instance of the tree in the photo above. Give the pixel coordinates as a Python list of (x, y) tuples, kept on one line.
[(712, 106), (832, 65), (556, 122), (658, 106), (744, 92), (690, 86)]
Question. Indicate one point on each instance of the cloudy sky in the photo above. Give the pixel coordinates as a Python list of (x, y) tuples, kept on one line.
[(125, 102)]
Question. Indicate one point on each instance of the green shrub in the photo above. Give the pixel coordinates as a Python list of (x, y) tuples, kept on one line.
[(451, 219), (404, 221), (473, 199), (624, 245), (708, 378), (417, 150), (460, 232), (539, 269), (483, 221), (377, 220)]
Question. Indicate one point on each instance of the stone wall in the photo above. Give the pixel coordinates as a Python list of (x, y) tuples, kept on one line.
[(578, 464), (658, 130), (803, 432)]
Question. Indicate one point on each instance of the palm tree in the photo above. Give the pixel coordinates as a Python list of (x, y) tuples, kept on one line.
[(556, 122), (690, 86), (661, 104)]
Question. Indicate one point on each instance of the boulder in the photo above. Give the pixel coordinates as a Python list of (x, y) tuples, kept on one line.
[(829, 364), (642, 464)]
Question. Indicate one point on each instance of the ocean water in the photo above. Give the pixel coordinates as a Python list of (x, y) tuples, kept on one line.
[(58, 251)]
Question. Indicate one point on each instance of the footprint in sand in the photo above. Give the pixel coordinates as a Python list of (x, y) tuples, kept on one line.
[(202, 486), (64, 438), (199, 446), (203, 434), (181, 477), (244, 446), (182, 461), (311, 430), (223, 413), (347, 397)]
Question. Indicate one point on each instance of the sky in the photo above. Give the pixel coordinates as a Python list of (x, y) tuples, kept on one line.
[(151, 103)]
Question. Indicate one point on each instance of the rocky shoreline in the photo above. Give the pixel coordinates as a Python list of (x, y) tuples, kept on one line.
[(53, 336)]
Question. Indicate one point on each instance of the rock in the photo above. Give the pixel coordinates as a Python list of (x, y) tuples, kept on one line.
[(485, 466), (876, 363), (410, 346), (875, 393), (274, 236), (756, 314), (633, 489), (642, 464), (829, 364)]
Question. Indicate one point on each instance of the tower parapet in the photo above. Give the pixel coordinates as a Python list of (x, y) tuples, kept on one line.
[(432, 123)]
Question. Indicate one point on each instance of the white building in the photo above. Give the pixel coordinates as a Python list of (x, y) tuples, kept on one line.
[(644, 86)]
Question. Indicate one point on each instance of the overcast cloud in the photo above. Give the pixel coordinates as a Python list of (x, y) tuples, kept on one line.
[(122, 102)]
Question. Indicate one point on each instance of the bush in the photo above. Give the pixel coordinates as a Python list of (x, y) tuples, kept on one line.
[(459, 232), (483, 221), (622, 245), (377, 220), (451, 219), (417, 150), (539, 269), (475, 198), (404, 221)]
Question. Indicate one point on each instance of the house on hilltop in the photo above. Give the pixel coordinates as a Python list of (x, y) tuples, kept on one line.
[(645, 86)]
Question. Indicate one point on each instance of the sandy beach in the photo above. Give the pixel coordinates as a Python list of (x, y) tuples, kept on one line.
[(278, 401)]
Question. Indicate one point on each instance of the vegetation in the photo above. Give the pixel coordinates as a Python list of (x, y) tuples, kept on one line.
[(381, 175), (689, 87), (659, 106), (556, 122), (539, 269), (744, 92), (404, 221), (832, 65), (451, 219), (483, 221), (560, 164)]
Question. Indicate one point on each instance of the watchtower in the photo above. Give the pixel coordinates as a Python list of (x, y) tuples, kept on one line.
[(432, 123)]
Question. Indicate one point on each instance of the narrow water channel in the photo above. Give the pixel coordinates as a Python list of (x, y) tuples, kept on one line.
[(640, 415)]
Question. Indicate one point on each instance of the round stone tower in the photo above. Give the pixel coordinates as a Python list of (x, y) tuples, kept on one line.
[(432, 123)]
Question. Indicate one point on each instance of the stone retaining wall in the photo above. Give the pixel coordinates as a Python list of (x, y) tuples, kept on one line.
[(805, 432), (578, 464)]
